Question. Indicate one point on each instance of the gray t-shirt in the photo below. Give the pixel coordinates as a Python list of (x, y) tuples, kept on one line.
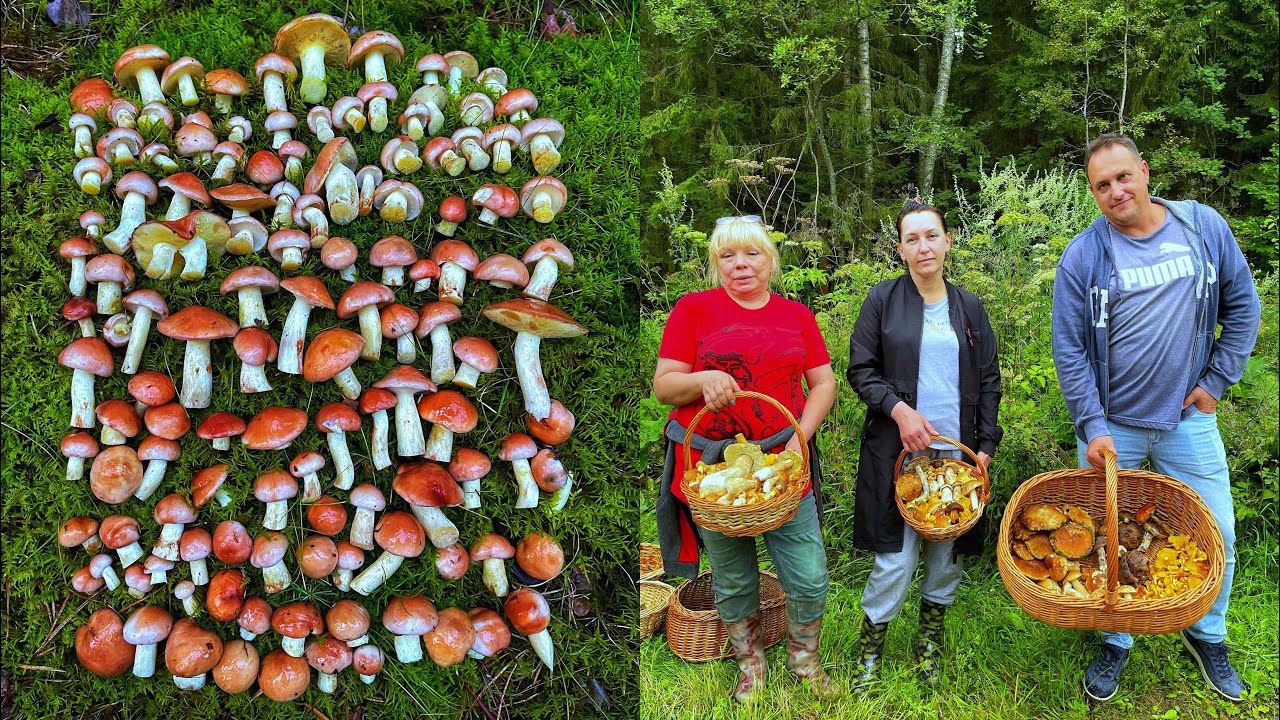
[(1152, 325), (938, 386)]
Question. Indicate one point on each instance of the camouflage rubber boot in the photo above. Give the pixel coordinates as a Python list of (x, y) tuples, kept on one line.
[(748, 649), (872, 645), (802, 658), (928, 649)]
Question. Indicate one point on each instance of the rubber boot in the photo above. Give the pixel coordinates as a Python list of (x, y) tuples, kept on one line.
[(802, 658), (869, 654), (928, 649), (747, 639)]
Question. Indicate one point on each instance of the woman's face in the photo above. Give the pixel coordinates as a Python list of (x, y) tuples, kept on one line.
[(745, 270), (922, 243)]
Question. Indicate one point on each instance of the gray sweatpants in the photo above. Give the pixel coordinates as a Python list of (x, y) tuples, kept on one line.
[(890, 579)]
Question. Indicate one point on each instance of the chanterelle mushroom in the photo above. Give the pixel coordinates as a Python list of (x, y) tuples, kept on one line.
[(533, 320), (314, 41), (198, 325)]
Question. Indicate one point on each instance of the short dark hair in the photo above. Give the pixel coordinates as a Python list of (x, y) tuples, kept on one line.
[(916, 205), (1106, 140)]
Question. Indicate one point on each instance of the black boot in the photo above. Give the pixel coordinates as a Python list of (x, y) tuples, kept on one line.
[(871, 647), (928, 650)]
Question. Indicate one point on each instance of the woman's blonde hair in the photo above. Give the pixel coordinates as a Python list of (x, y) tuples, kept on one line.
[(739, 233)]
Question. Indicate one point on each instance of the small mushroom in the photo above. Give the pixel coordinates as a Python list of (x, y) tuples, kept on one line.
[(308, 293), (317, 556), (139, 65), (422, 273), (157, 452), (337, 420), (172, 513), (195, 142), (179, 79), (209, 235), (498, 141), (86, 357), (367, 500), (327, 516), (528, 613), (249, 283), (295, 621), (92, 221), (408, 618), (231, 543), (289, 247), (453, 210), (238, 667), (476, 109), (91, 96), (329, 657), (330, 356), (492, 634), (255, 347), (273, 428), (377, 49), (226, 85), (455, 259), (138, 191), (156, 245), (76, 447), (158, 156), (80, 530), (92, 173), (151, 388), (516, 105), (275, 488), (533, 320), (406, 381), (350, 558), (376, 97), (541, 138), (194, 546), (553, 429), (416, 118), (427, 487), (305, 467), (400, 536), (81, 311), (77, 251), (475, 355), (364, 299), (198, 326), (502, 270), (147, 627), (254, 618), (226, 157), (542, 198), (219, 428), (273, 71), (269, 550), (320, 120), (470, 144), (156, 119), (83, 580), (185, 591), (547, 258), (314, 41), (432, 66), (116, 330), (339, 254), (439, 152), (540, 556), (493, 80), (434, 320), (398, 323), (496, 201), (367, 662), (82, 127), (281, 124), (434, 98), (367, 181), (397, 201), (451, 638), (375, 402), (239, 129), (121, 533), (492, 550), (186, 189), (248, 235), (450, 412), (226, 593), (552, 477), (519, 449), (452, 562), (400, 155), (120, 146)]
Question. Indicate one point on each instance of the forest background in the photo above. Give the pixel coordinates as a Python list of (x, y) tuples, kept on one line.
[(823, 117)]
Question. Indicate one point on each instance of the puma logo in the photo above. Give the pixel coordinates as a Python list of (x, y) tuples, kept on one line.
[(1168, 247)]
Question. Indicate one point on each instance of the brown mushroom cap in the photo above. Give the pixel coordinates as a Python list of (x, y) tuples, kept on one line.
[(119, 416), (255, 615), (409, 615), (231, 542), (539, 555), (316, 28), (534, 317), (220, 425), (274, 428), (327, 515), (502, 267), (492, 546), (427, 485), (283, 677), (197, 322), (331, 352), (297, 619), (452, 637), (118, 531), (449, 408), (492, 634), (362, 294), (148, 625), (317, 556), (347, 619), (399, 533), (237, 669), (77, 247), (116, 474), (89, 354), (191, 650), (309, 288), (110, 268), (555, 428), (101, 647)]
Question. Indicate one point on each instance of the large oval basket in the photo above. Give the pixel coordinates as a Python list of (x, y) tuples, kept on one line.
[(1107, 494), (695, 632), (751, 519), (950, 532)]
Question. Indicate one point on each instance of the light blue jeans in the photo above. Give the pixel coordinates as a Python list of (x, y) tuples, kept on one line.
[(1193, 453)]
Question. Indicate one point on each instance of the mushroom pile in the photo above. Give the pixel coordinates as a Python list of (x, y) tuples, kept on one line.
[(747, 475), (391, 505), (939, 492)]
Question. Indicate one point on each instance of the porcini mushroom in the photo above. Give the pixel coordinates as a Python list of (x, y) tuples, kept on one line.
[(100, 644), (491, 550), (450, 412), (528, 612), (273, 428), (308, 293), (219, 428), (451, 638), (533, 320), (330, 356), (336, 420), (409, 617), (519, 449), (198, 326), (314, 41), (269, 550), (273, 71), (496, 201), (427, 487), (368, 500), (398, 323), (275, 488), (400, 536), (190, 652), (305, 467), (542, 198), (179, 79), (255, 347), (139, 65), (147, 627), (405, 381)]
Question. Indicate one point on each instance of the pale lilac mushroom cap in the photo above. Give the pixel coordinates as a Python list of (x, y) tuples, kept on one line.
[(92, 173), (542, 198)]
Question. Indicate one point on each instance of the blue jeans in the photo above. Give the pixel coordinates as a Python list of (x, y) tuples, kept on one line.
[(799, 559), (1193, 453)]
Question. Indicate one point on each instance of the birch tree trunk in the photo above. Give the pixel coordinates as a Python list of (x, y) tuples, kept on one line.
[(939, 103), (864, 67)]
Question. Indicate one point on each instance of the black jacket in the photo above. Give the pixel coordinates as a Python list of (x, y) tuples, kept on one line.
[(884, 361)]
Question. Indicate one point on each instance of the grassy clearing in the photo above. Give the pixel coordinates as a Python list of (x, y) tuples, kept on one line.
[(591, 85)]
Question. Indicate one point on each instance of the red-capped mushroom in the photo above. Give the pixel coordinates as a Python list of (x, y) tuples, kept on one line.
[(528, 612), (138, 191), (269, 550), (306, 467), (219, 428), (87, 357), (157, 452), (76, 447), (377, 96), (519, 449), (77, 251), (398, 202), (335, 172), (85, 582), (226, 593), (158, 569), (308, 293), (392, 253), (186, 189), (282, 677), (195, 142), (400, 536), (427, 487), (238, 667), (542, 198), (147, 627), (207, 484), (492, 634), (144, 304), (367, 662), (339, 254), (254, 618), (329, 657), (273, 71), (185, 591), (330, 356), (400, 155), (157, 155), (198, 326), (248, 234), (336, 420), (453, 210), (100, 645), (451, 638), (409, 617), (434, 321), (422, 273), (491, 550), (248, 283), (368, 500), (137, 580), (140, 65), (273, 428), (314, 41), (540, 556), (498, 142), (116, 330), (552, 477), (452, 562), (289, 247), (190, 652), (281, 123), (376, 49), (375, 402), (450, 412), (80, 530), (364, 299), (348, 621), (469, 467), (470, 142), (120, 533), (275, 488), (231, 542), (368, 179), (120, 146), (116, 474), (555, 428), (440, 153), (398, 323), (265, 169), (172, 513), (350, 558), (179, 79), (533, 320), (406, 381), (475, 355), (255, 347), (226, 85), (348, 114), (317, 556), (496, 201), (516, 104), (81, 311), (327, 515), (194, 546), (93, 172)]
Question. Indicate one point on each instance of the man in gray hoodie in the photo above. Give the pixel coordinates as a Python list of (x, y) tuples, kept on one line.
[(1137, 301)]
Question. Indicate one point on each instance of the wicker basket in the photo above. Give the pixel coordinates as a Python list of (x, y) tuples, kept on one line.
[(951, 532), (654, 599), (751, 519), (650, 561), (1106, 494), (694, 630)]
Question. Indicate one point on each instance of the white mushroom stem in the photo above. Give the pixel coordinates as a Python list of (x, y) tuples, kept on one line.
[(327, 682), (294, 646), (87, 329), (84, 142), (199, 572), (313, 87), (222, 443), (293, 337), (368, 679), (406, 351), (121, 154), (440, 530), (280, 137), (422, 285), (526, 486), (501, 156), (311, 490), (471, 494), (197, 375), (277, 515), (75, 471), (371, 331), (144, 660), (362, 529), (345, 471), (110, 578), (221, 496), (395, 208), (368, 185), (543, 209), (77, 284), (283, 216), (132, 214), (253, 379), (137, 340), (236, 135), (152, 478), (378, 114), (477, 158), (440, 444), (222, 103), (342, 579), (495, 576), (362, 640), (167, 547), (413, 128), (275, 578), (342, 193), (347, 384), (191, 683), (405, 160), (466, 376), (455, 79), (541, 642), (408, 648), (290, 258), (247, 635), (161, 265), (196, 255), (375, 70), (376, 574), (537, 401), (453, 163), (224, 170), (164, 162), (324, 129), (544, 153), (453, 279), (410, 441), (187, 91), (252, 311), (561, 496), (111, 436), (543, 278), (190, 606), (319, 225), (488, 217), (381, 446), (82, 404), (91, 183), (273, 92), (129, 554), (354, 119), (442, 367)]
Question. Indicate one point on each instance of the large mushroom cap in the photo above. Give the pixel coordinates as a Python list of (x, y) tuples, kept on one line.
[(231, 542), (534, 317), (449, 408), (225, 596), (337, 150), (116, 474), (197, 322), (91, 96), (319, 28), (331, 352), (426, 484), (361, 295), (309, 288), (237, 669), (207, 482), (492, 634), (514, 101), (243, 197), (399, 533), (174, 508), (540, 555), (327, 515), (452, 637), (347, 619), (136, 59), (191, 650), (148, 625), (377, 40), (274, 428), (527, 611), (409, 615), (110, 268), (101, 647), (89, 354), (283, 677)]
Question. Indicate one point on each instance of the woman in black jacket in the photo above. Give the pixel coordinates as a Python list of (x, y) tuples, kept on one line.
[(923, 359)]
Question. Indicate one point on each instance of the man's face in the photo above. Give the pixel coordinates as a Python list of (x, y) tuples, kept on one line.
[(1119, 181)]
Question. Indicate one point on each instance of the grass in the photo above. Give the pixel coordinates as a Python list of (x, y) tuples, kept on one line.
[(591, 85)]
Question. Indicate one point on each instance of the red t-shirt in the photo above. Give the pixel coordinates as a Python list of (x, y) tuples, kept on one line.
[(767, 350)]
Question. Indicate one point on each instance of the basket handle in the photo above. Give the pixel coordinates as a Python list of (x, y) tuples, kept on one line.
[(982, 470), (1112, 525), (804, 441)]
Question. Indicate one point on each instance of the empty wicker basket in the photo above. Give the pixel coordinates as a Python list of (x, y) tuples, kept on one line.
[(695, 632), (654, 599), (650, 561)]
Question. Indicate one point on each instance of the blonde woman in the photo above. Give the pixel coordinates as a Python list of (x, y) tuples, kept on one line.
[(740, 336)]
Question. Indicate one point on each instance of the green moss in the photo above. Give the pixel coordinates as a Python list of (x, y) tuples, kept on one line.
[(591, 86)]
